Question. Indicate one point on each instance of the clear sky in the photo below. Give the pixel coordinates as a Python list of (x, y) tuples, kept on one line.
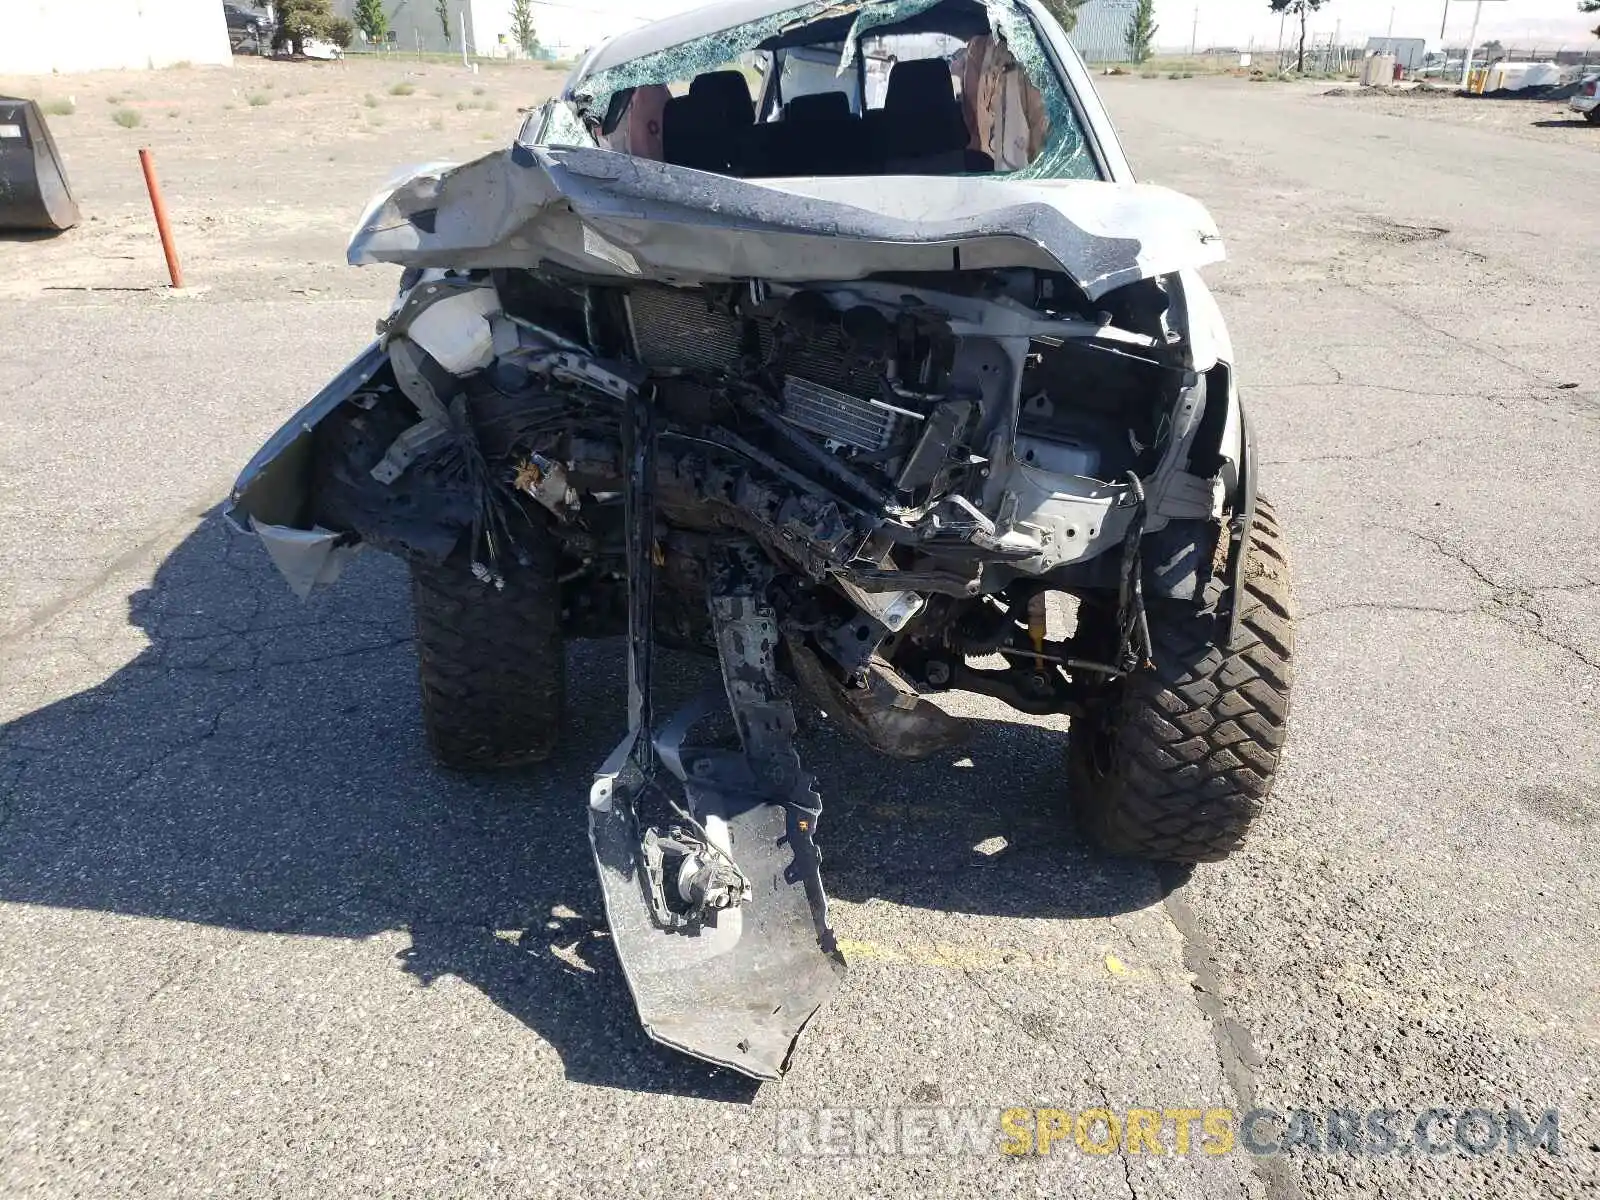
[(575, 24)]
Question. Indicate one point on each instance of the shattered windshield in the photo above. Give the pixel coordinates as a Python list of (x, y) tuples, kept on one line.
[(900, 87)]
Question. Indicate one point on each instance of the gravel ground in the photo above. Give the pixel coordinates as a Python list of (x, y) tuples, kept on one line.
[(256, 944), (1549, 121)]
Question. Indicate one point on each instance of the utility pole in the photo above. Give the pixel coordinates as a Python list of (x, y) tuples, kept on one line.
[(1389, 37), (1472, 41), (1443, 18), (461, 18), (1194, 30)]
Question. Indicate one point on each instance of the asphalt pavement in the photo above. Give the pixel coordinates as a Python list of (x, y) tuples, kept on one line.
[(254, 943)]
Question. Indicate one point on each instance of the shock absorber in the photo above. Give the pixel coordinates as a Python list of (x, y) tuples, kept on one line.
[(1038, 626)]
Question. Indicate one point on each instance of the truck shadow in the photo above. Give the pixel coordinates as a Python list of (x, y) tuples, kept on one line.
[(259, 766)]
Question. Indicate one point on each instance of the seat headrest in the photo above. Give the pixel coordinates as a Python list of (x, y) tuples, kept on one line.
[(824, 106), (919, 84), (727, 93)]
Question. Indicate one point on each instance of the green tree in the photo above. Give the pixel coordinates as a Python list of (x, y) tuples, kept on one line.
[(371, 19), (301, 20), (1064, 11), (522, 26), (1302, 9), (442, 7), (1590, 6), (1142, 30)]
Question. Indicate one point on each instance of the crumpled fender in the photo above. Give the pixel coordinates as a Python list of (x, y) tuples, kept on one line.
[(270, 496)]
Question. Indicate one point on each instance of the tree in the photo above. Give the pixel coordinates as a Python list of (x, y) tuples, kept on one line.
[(1590, 6), (371, 19), (522, 26), (1064, 11), (299, 21), (1142, 29), (442, 7), (1302, 9)]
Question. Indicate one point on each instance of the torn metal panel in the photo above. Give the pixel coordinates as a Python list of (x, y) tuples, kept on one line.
[(732, 983), (274, 484), (308, 558), (617, 216)]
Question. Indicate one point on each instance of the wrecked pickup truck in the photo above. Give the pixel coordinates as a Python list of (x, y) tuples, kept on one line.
[(834, 341)]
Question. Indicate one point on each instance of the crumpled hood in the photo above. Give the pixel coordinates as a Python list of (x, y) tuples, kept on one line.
[(608, 214)]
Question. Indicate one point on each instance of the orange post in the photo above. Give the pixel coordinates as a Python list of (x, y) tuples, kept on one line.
[(174, 269)]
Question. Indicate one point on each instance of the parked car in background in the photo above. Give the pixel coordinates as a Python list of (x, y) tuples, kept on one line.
[(249, 28), (1586, 99)]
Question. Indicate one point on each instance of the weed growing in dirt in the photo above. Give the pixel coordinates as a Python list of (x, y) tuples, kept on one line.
[(402, 89), (59, 108), (171, 113), (258, 99), (127, 118), (478, 91), (370, 100), (437, 123)]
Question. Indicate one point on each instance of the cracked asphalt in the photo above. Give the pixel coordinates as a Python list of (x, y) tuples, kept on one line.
[(255, 944)]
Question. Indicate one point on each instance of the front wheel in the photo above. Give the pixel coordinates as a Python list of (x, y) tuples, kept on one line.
[(491, 661), (1174, 762), (1592, 116)]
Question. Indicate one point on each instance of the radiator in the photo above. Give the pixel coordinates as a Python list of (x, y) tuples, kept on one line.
[(836, 415), (677, 328)]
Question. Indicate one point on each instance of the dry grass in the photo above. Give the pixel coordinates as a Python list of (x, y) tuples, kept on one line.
[(258, 99), (127, 118), (58, 108), (402, 89)]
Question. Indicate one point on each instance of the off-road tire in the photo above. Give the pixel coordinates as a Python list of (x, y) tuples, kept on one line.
[(1174, 763), (491, 662), (1592, 116)]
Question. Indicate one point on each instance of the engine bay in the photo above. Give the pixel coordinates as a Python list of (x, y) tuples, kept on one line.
[(923, 458)]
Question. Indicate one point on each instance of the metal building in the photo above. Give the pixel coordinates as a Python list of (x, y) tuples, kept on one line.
[(1410, 53), (1101, 34), (438, 26), (41, 36)]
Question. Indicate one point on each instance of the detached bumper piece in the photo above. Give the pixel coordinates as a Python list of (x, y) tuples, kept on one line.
[(706, 855)]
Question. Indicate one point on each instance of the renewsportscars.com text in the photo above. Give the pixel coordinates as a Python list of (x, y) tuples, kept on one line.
[(1179, 1130)]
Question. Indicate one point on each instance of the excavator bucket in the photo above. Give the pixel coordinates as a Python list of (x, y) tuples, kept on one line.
[(34, 192)]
